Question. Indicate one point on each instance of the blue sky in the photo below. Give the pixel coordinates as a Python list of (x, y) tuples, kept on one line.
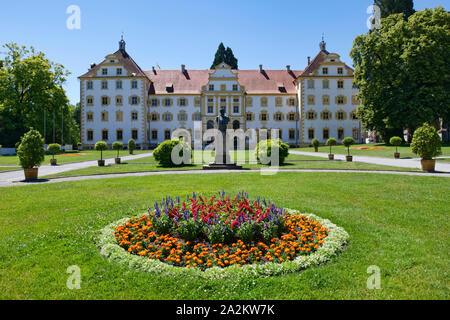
[(171, 33)]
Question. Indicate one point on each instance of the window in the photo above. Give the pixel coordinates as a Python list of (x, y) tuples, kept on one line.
[(119, 101), (119, 84), (105, 101), (183, 116), (326, 115), (154, 117), (340, 100), (167, 102), (235, 87), (90, 85), (310, 84), (264, 102), (249, 117), (325, 100), (325, 71), (155, 102), (355, 86), (197, 117), (236, 100), (154, 134), (167, 134), (311, 115), (90, 101), (119, 134), (210, 100), (210, 109), (355, 100), (249, 102), (235, 109), (134, 134), (90, 116), (104, 116), (291, 134), (291, 116), (134, 84), (278, 116), (291, 102), (310, 134), (104, 84), (197, 102), (119, 71), (326, 84), (211, 87), (311, 100), (223, 87), (340, 133), (340, 70), (119, 116), (340, 84), (167, 117), (134, 100), (340, 115), (353, 115), (104, 135), (90, 135), (134, 116), (355, 134), (264, 117), (278, 102), (326, 134), (104, 71), (182, 102)]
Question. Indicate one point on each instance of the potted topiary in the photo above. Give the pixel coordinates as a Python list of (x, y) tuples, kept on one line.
[(131, 146), (31, 153), (79, 146), (316, 143), (101, 146), (396, 141), (53, 148), (348, 142), (426, 143), (331, 142), (117, 146)]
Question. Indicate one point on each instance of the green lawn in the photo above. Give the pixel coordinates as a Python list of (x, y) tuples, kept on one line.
[(293, 162), (4, 169), (405, 151), (398, 223), (64, 158)]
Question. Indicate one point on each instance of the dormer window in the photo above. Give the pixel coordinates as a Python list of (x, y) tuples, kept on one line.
[(119, 71)]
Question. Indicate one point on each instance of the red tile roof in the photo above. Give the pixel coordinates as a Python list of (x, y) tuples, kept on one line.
[(317, 61)]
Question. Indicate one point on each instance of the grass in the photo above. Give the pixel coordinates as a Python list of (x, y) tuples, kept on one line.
[(405, 150), (398, 223), (65, 158), (5, 169), (293, 162)]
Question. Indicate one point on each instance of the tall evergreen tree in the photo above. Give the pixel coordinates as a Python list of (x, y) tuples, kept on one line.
[(389, 7), (225, 55)]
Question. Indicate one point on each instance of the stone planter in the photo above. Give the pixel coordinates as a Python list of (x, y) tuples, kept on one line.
[(331, 157), (101, 163), (428, 165), (117, 160), (53, 162), (397, 155), (349, 158), (31, 174)]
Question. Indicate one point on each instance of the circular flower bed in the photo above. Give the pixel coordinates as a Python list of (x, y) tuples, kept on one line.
[(220, 236)]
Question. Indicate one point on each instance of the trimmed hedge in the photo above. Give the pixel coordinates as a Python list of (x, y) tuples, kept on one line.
[(264, 151)]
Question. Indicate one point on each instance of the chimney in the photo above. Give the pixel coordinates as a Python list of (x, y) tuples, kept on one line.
[(309, 61), (183, 68), (93, 65), (261, 68), (288, 68), (154, 71)]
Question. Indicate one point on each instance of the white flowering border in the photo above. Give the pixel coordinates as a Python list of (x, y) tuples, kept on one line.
[(334, 243)]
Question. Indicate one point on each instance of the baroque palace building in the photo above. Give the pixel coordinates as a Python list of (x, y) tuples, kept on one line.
[(120, 101)]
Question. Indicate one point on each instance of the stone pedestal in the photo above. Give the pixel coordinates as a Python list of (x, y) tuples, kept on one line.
[(222, 160)]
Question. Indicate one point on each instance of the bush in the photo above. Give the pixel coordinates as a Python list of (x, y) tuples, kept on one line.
[(131, 145), (264, 151), (331, 142), (348, 142), (100, 146), (316, 144), (163, 153), (31, 151), (117, 146), (396, 141), (54, 148), (426, 142)]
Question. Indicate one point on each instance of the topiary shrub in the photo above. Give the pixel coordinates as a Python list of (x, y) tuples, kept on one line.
[(347, 142), (331, 142), (396, 141), (117, 145), (31, 151), (131, 146), (53, 149), (264, 149), (101, 146), (426, 142), (316, 144), (163, 153)]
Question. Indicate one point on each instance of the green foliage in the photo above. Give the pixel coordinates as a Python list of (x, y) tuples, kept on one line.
[(426, 142), (162, 224), (315, 143), (389, 7), (396, 141), (402, 73), (163, 153), (347, 142), (264, 151), (331, 142), (224, 55), (189, 230), (215, 234), (31, 150), (131, 145), (30, 83), (246, 232), (53, 149), (117, 145), (101, 146)]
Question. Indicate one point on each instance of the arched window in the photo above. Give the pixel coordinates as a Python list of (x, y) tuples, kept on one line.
[(236, 124)]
